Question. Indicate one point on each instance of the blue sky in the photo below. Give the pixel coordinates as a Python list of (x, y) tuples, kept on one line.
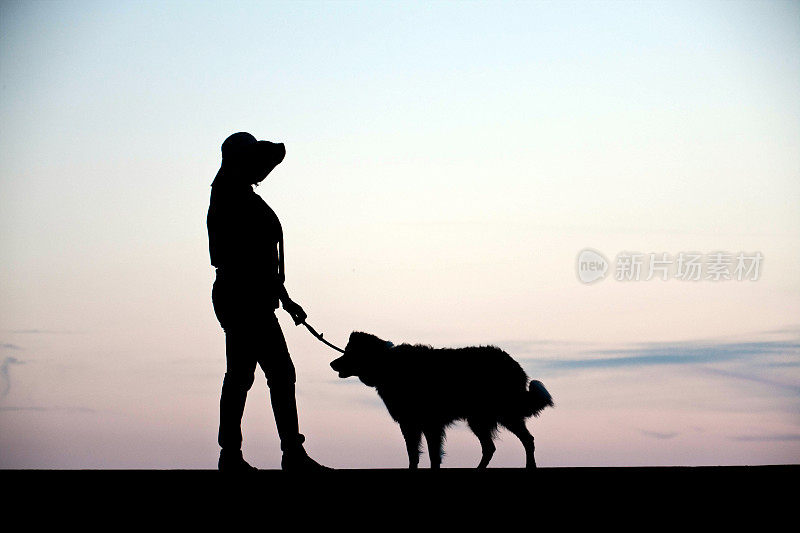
[(446, 162)]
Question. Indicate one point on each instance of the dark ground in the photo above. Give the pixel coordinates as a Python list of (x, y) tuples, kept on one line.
[(640, 498)]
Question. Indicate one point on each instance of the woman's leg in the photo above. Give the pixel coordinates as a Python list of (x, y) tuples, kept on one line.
[(273, 356), (279, 369), (240, 350), (239, 376)]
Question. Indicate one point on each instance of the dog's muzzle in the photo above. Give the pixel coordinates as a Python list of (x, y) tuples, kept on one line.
[(336, 365)]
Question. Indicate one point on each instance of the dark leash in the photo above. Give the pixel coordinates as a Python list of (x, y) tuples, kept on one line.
[(319, 336), (282, 274)]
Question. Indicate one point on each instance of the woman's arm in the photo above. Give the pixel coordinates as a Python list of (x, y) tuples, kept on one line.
[(295, 311)]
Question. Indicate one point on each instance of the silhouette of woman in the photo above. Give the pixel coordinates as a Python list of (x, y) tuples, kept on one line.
[(245, 241)]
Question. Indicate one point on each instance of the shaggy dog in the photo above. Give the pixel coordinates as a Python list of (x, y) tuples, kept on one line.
[(427, 389)]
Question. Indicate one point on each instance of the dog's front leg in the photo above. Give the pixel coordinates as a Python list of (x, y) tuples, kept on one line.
[(412, 435), (434, 437)]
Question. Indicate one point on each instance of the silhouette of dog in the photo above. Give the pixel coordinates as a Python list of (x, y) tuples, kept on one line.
[(427, 389)]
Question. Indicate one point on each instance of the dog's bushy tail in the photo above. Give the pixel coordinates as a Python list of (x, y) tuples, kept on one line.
[(539, 398)]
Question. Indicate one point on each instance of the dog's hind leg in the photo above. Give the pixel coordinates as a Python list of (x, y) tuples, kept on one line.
[(412, 436), (485, 434), (518, 428), (434, 437)]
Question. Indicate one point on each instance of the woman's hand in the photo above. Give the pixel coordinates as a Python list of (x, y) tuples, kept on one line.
[(295, 311)]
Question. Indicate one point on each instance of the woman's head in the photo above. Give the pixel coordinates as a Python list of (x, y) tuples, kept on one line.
[(246, 160)]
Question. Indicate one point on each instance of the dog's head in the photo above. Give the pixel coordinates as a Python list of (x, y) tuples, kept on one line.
[(362, 357)]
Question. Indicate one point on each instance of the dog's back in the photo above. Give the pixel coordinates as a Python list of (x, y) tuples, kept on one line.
[(449, 384)]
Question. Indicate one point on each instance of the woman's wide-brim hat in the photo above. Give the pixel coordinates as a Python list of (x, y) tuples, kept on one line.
[(244, 149)]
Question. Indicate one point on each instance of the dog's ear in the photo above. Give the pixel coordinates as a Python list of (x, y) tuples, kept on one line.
[(357, 338)]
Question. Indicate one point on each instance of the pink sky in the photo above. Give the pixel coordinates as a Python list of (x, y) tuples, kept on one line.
[(446, 163)]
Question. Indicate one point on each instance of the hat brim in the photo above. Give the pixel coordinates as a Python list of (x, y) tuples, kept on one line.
[(267, 153)]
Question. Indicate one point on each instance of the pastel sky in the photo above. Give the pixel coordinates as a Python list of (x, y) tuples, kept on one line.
[(446, 164)]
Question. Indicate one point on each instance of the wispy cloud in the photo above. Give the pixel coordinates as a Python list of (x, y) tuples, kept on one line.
[(794, 329), (9, 346), (41, 331), (762, 360), (48, 409), (771, 437), (682, 353), (658, 434), (790, 387), (5, 374)]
